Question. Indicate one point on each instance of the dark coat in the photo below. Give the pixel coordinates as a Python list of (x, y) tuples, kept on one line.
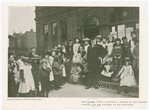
[(92, 58), (44, 78), (11, 81), (36, 74), (70, 51)]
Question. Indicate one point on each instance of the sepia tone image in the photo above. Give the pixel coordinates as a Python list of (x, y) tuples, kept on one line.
[(73, 52)]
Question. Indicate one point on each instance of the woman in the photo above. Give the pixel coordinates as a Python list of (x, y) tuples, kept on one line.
[(27, 84), (117, 53), (77, 54), (11, 81)]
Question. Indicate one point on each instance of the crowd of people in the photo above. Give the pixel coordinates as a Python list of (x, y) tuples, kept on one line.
[(85, 62)]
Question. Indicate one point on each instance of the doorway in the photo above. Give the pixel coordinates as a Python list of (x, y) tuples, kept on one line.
[(91, 32)]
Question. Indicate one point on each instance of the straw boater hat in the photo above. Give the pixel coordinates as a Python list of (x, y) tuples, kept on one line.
[(26, 59), (98, 36), (35, 57), (86, 39), (106, 60)]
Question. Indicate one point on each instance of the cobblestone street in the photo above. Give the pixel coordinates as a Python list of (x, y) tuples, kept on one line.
[(71, 90)]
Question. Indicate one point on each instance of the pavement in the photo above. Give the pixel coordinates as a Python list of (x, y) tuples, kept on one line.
[(76, 90)]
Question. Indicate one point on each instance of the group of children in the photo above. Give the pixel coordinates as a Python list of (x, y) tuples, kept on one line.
[(67, 62)]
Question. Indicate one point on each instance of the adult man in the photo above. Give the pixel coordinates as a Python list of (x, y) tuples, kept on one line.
[(95, 54), (34, 58), (132, 40)]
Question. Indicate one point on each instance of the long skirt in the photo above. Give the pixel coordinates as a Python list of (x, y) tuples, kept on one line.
[(128, 81), (44, 84), (74, 78)]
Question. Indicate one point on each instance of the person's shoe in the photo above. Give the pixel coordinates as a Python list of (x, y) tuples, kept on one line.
[(88, 87), (59, 87), (56, 88), (96, 87), (118, 91)]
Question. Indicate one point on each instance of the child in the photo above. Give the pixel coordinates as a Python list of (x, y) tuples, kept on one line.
[(117, 53), (110, 45), (51, 60), (63, 67), (75, 73), (63, 48), (57, 72), (44, 78), (135, 63), (104, 42), (60, 61), (11, 80), (126, 77), (68, 65), (59, 47), (27, 82), (126, 49), (107, 69)]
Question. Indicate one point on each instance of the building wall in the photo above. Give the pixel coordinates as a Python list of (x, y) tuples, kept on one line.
[(76, 19), (30, 40), (22, 43)]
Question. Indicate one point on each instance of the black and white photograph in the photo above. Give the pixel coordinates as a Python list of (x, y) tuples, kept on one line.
[(73, 51)]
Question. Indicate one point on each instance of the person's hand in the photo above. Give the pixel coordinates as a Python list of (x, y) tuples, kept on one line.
[(44, 67), (99, 58), (23, 80)]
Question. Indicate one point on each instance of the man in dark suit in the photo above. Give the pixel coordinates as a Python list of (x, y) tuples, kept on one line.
[(95, 54)]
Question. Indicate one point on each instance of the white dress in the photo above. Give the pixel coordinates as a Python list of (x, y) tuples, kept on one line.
[(76, 56), (64, 70), (106, 72), (28, 85), (127, 76), (51, 77), (132, 45), (109, 48)]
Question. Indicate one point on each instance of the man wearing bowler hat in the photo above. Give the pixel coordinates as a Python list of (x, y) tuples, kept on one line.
[(94, 56)]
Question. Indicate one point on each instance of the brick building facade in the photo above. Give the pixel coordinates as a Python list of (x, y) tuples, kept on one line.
[(57, 24), (22, 43)]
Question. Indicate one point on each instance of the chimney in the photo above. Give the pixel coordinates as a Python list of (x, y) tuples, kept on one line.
[(31, 30)]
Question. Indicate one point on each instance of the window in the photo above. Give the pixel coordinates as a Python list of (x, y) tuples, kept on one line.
[(45, 29), (137, 25), (54, 28), (121, 31), (64, 30)]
